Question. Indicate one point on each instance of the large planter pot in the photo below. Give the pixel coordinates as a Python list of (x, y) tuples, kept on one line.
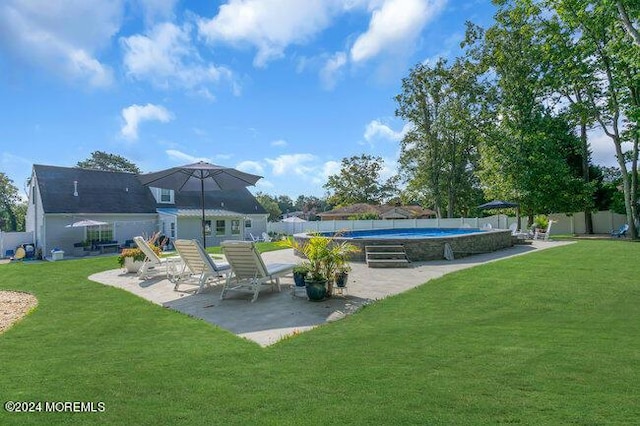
[(132, 265), (316, 289), (298, 278)]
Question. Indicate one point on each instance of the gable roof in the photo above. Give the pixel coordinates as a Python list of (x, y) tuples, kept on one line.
[(98, 191), (120, 192)]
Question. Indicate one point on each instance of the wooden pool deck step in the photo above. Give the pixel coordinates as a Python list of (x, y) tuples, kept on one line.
[(387, 256)]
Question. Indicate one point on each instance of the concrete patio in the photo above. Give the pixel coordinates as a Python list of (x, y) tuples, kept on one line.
[(276, 315)]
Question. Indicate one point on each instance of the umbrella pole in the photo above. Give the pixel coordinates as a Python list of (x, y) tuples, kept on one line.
[(204, 238)]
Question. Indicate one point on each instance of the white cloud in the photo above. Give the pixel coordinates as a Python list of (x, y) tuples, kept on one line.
[(61, 37), (331, 70), (135, 114), (297, 164), (279, 142), (185, 158), (251, 167), (271, 25), (166, 57), (378, 130), (330, 168), (394, 25)]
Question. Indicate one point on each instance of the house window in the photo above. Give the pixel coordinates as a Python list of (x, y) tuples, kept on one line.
[(172, 233), (235, 227), (220, 227), (247, 223), (207, 227), (166, 196), (100, 233)]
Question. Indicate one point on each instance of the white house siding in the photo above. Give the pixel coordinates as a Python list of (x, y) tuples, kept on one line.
[(190, 227), (125, 227)]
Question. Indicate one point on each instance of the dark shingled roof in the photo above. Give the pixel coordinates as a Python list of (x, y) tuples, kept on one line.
[(119, 192), (98, 191), (239, 200)]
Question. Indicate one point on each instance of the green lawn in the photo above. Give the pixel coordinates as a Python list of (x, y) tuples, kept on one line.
[(547, 338)]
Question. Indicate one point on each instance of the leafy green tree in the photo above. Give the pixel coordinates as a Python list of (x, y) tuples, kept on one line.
[(270, 204), (439, 153), (311, 206), (359, 182), (109, 162), (9, 205), (602, 41), (531, 155), (285, 203)]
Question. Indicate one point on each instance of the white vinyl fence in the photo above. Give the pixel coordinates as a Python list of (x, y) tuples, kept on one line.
[(603, 223), (11, 240)]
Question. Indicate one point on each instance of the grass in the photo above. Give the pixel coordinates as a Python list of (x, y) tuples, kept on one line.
[(547, 338)]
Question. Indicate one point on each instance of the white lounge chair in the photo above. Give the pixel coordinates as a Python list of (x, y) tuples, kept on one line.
[(152, 265), (197, 264), (543, 235), (254, 238), (266, 238), (248, 270)]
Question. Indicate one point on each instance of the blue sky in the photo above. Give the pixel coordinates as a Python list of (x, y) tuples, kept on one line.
[(280, 88)]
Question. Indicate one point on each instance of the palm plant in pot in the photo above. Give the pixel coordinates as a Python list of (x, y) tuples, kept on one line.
[(325, 256)]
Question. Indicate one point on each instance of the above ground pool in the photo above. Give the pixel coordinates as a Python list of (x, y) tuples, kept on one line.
[(404, 233), (422, 244)]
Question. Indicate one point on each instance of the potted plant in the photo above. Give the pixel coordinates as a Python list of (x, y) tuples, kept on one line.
[(131, 258), (325, 256), (300, 273), (540, 223), (342, 275)]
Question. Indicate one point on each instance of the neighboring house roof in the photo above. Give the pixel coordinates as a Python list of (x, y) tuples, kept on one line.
[(405, 212), (353, 209), (119, 192), (385, 211), (97, 191)]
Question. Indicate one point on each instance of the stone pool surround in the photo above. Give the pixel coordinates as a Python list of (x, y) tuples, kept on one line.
[(432, 248)]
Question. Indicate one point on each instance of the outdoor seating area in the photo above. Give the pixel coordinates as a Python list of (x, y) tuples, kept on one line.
[(276, 315)]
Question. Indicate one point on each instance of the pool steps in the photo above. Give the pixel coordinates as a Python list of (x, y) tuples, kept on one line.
[(386, 256)]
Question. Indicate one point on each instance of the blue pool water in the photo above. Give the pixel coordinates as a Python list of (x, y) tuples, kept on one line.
[(406, 233)]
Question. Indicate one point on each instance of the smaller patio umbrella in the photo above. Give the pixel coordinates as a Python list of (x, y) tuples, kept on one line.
[(86, 222), (497, 204), (500, 204)]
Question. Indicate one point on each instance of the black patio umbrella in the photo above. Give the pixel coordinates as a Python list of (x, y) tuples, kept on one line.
[(500, 204), (497, 204), (202, 177)]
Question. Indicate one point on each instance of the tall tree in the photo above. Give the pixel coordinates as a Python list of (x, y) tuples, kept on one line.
[(359, 181), (109, 162), (613, 92), (9, 202), (439, 153), (530, 155)]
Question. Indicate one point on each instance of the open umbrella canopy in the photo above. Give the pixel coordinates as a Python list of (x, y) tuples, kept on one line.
[(201, 177), (293, 219), (497, 204), (86, 222)]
